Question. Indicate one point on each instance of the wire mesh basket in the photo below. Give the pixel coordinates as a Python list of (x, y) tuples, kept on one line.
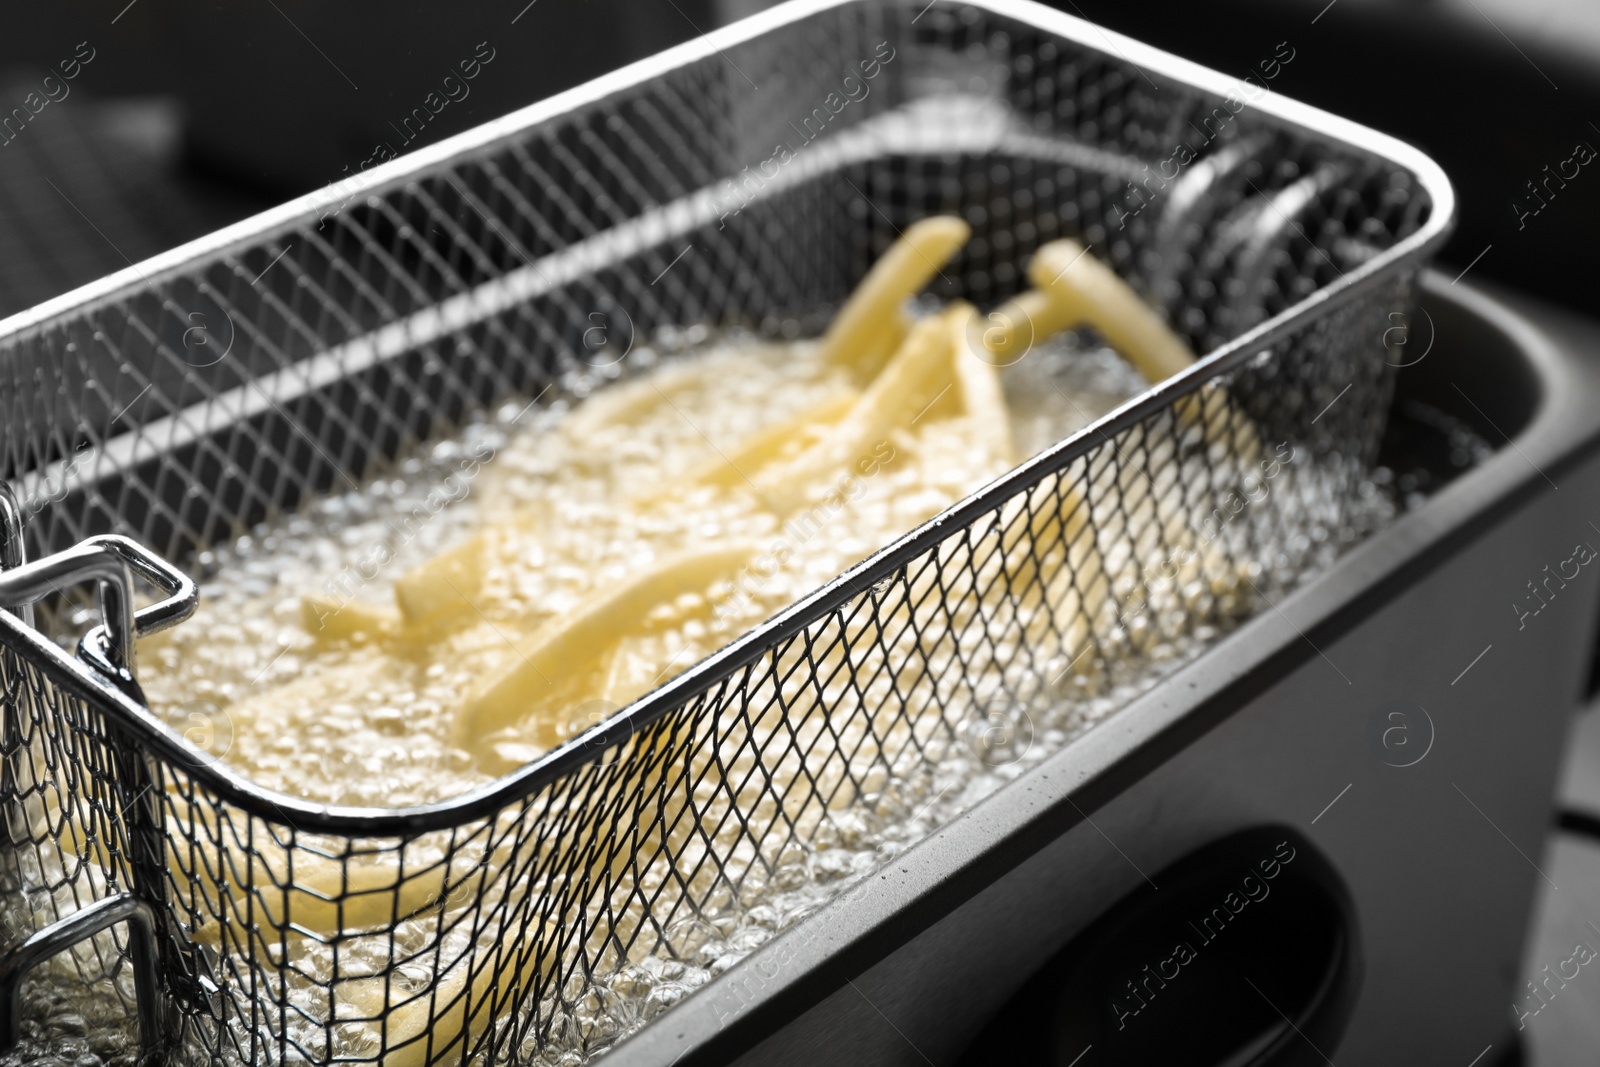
[(749, 178)]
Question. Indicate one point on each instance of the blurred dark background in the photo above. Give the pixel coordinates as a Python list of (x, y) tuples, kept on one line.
[(136, 126), (128, 128)]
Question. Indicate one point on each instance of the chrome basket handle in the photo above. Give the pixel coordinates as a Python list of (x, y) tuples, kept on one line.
[(111, 646), (13, 552), (61, 936), (110, 562)]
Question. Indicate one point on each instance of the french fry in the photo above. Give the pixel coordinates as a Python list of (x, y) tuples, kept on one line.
[(1021, 322), (295, 892), (442, 589), (617, 687), (365, 896), (580, 637), (1060, 533), (918, 375), (325, 897), (1075, 289), (1085, 290), (440, 1021), (1053, 561), (866, 326), (626, 403), (761, 449), (330, 621), (884, 342), (1093, 292), (981, 394)]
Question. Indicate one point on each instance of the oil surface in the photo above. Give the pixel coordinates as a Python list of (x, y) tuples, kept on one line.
[(578, 494), (575, 500)]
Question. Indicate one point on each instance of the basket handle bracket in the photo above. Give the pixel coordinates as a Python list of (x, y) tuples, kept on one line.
[(16, 965), (110, 562)]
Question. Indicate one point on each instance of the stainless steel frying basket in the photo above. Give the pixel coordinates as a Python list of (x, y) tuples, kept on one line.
[(748, 179)]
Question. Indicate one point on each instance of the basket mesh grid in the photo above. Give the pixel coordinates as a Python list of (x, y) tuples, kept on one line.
[(217, 395)]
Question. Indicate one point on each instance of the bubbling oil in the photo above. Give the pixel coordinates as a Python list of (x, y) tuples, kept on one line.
[(355, 723), (575, 497)]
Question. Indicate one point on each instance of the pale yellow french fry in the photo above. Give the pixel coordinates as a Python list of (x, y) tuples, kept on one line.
[(294, 892), (744, 462), (1076, 289), (981, 394), (1011, 330), (1093, 294), (435, 1026), (439, 1021), (618, 688), (325, 897), (329, 620), (1088, 291), (359, 895), (625, 403), (577, 639), (1060, 541), (881, 345), (918, 375), (873, 310), (445, 587)]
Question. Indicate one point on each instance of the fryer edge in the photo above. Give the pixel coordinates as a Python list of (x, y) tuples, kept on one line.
[(805, 963)]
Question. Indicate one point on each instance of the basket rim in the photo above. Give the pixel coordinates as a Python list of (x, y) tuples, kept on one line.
[(485, 136), (485, 801)]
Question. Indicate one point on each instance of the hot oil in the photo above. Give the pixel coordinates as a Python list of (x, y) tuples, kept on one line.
[(367, 720), (353, 722)]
